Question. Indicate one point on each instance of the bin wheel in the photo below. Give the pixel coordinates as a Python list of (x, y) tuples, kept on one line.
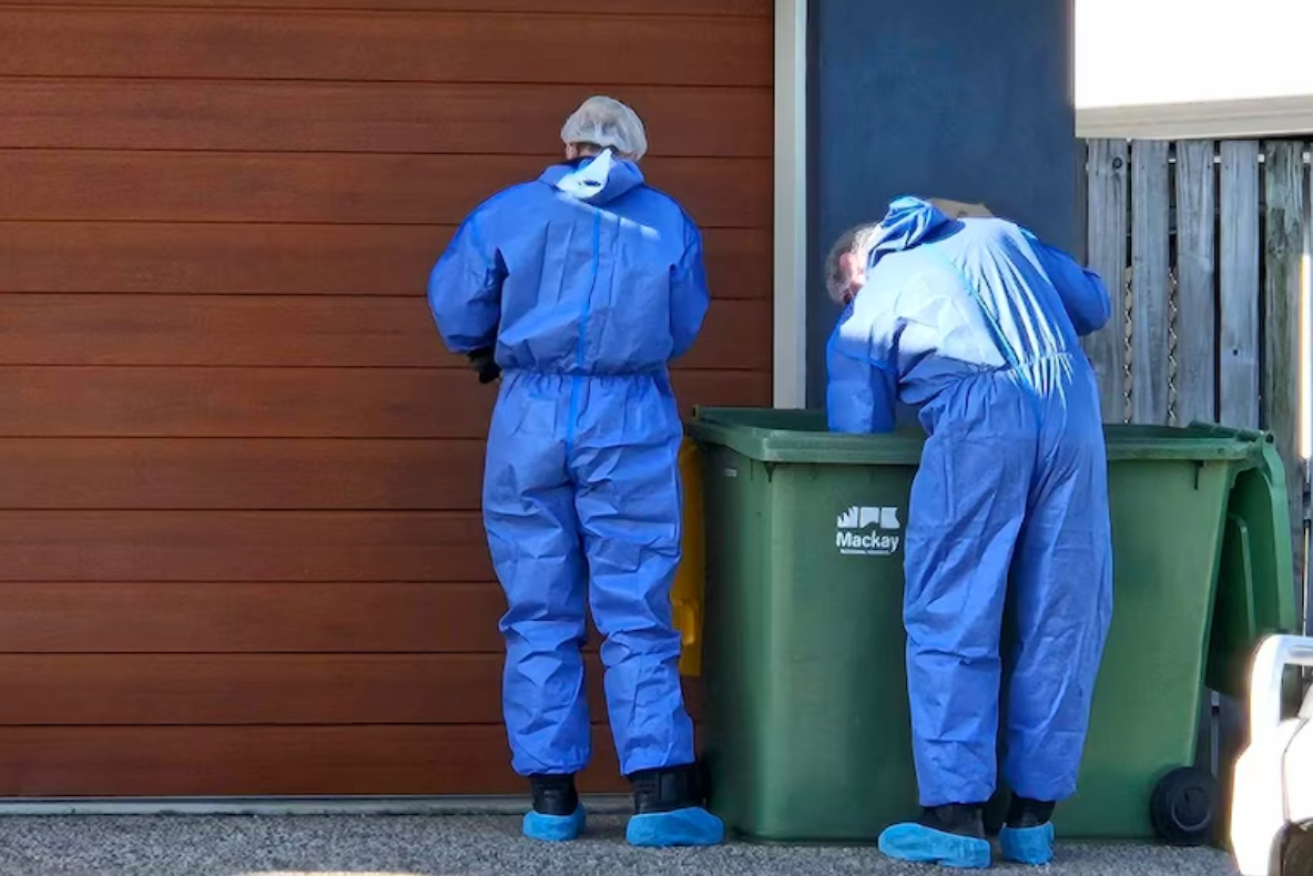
[(1297, 852), (1184, 807)]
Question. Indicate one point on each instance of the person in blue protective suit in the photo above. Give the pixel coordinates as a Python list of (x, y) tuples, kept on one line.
[(575, 291), (975, 323)]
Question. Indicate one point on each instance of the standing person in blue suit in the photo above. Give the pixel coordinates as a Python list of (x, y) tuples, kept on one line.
[(576, 290), (976, 323)]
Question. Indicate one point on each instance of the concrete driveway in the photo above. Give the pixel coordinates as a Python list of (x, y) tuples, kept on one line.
[(458, 846)]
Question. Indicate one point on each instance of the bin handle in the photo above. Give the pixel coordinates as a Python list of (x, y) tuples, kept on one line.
[(1256, 435), (1247, 562), (1267, 675)]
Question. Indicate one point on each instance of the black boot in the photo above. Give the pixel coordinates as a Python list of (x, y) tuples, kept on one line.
[(959, 819), (556, 815), (952, 835), (554, 795), (1028, 836), (670, 810), (1024, 813), (667, 789)]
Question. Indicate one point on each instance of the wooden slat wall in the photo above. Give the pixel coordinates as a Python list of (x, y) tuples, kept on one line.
[(1109, 176), (1237, 401), (363, 117), (201, 258), (281, 689), (246, 331), (1149, 281), (1195, 351), (338, 189), (467, 45), (1285, 220), (240, 548), (1213, 238), (153, 760), (1215, 278)]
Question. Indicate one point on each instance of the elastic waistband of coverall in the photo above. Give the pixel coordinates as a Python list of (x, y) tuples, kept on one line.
[(1025, 370), (653, 373), (1039, 362), (1044, 378)]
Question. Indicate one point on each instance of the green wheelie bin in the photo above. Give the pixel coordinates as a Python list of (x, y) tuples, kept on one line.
[(806, 722)]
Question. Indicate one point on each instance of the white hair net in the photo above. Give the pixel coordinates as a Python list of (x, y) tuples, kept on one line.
[(608, 123)]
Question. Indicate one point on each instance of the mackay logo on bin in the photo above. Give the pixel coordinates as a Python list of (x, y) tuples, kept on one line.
[(868, 532)]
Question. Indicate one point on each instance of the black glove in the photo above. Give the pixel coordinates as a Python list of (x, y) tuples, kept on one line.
[(484, 363)]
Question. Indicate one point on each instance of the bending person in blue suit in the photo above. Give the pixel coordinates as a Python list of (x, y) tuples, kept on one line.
[(576, 290), (975, 323)]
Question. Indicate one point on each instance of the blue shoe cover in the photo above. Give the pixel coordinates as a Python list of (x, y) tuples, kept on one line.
[(693, 826), (1028, 845), (918, 844), (554, 828)]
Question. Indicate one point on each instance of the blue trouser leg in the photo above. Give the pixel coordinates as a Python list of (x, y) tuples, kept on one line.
[(630, 511), (528, 505), (1063, 597), (968, 503)]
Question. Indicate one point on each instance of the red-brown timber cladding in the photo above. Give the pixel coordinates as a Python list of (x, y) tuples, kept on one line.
[(240, 547)]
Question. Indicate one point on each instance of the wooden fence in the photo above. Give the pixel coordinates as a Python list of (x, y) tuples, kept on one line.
[(1203, 245)]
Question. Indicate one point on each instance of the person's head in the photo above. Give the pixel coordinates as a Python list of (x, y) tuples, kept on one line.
[(602, 123), (845, 266)]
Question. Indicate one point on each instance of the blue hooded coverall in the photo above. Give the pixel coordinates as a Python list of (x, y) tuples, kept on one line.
[(587, 290), (975, 322)]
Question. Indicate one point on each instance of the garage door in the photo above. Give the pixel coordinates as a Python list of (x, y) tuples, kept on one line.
[(240, 549)]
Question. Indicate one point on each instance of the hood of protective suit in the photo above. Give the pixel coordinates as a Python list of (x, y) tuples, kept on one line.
[(909, 222), (595, 181)]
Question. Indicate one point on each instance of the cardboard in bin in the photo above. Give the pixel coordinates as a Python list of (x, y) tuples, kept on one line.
[(961, 209)]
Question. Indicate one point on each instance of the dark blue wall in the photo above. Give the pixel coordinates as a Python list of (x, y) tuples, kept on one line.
[(963, 99)]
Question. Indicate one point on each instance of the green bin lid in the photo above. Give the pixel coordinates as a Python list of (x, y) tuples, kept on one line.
[(801, 436), (1256, 578), (1255, 592)]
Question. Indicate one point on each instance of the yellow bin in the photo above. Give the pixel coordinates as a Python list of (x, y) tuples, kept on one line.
[(686, 594)]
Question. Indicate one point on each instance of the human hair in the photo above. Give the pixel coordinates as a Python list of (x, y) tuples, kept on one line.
[(858, 241)]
